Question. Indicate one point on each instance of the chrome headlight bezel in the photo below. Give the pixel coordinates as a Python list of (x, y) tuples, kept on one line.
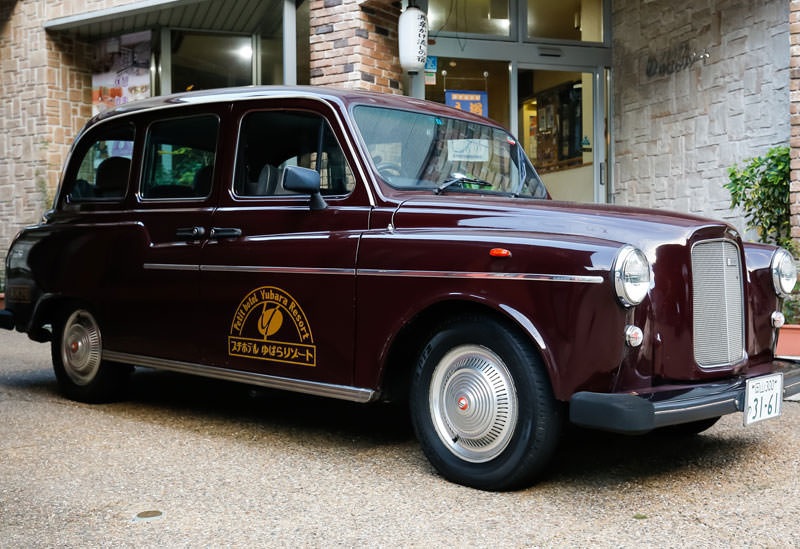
[(632, 275), (17, 257), (784, 272)]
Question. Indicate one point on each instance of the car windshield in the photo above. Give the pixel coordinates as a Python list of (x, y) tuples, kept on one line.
[(417, 150)]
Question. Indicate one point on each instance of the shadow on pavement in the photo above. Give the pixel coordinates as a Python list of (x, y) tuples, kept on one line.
[(189, 402)]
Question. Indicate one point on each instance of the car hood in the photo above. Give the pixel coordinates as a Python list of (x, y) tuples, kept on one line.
[(644, 228)]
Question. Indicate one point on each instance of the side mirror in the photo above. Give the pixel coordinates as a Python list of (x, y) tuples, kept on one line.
[(306, 181)]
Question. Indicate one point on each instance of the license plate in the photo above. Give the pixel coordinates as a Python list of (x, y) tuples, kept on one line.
[(763, 396)]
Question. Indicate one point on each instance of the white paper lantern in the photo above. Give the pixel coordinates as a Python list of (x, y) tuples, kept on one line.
[(412, 37)]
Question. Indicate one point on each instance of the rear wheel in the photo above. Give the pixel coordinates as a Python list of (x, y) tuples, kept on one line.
[(482, 406), (77, 354)]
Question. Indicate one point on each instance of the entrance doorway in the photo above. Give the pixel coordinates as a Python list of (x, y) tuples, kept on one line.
[(562, 133), (538, 67), (559, 115)]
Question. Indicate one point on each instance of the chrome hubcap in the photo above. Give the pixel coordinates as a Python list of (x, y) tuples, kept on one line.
[(81, 348), (473, 403)]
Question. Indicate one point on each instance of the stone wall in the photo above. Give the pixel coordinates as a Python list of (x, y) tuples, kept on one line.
[(699, 85), (46, 90)]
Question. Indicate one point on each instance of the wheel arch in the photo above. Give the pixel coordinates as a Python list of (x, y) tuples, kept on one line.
[(46, 312), (406, 346)]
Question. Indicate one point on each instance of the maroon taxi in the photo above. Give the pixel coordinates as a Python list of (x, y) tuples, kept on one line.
[(381, 248)]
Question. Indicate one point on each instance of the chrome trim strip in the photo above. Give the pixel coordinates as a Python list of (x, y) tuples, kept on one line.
[(582, 279), (585, 279), (280, 270), (342, 392), (170, 267)]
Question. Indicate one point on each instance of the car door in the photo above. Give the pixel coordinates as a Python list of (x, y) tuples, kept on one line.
[(172, 208), (277, 275)]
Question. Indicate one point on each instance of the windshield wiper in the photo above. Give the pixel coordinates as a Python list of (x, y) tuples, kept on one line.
[(458, 178)]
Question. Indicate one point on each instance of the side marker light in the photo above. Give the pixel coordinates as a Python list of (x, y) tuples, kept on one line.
[(499, 252)]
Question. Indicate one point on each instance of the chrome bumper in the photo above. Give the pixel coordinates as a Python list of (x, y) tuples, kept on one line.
[(640, 413)]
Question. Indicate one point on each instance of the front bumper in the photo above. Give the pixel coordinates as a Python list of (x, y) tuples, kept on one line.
[(642, 412)]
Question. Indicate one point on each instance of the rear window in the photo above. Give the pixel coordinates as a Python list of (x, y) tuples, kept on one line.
[(179, 158), (105, 165)]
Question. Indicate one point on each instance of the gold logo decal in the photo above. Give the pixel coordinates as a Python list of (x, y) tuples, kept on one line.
[(270, 325)]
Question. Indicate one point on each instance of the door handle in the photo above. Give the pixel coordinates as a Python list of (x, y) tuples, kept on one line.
[(225, 232), (190, 233)]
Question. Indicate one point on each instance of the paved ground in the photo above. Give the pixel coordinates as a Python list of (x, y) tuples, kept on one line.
[(187, 462)]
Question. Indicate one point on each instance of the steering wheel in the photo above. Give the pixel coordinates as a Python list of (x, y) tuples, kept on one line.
[(387, 170)]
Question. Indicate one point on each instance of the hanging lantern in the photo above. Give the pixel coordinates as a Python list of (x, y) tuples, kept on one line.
[(412, 38)]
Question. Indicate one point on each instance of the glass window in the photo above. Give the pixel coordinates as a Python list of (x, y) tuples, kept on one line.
[(468, 75), (413, 151), (202, 61), (179, 161), (272, 140), (303, 36), (104, 170), (272, 44), (487, 17), (556, 126), (572, 20)]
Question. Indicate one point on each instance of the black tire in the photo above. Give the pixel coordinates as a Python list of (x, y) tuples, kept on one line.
[(77, 350), (687, 429), (482, 406)]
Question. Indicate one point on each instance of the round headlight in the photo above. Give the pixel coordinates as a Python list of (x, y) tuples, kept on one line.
[(631, 276), (784, 272)]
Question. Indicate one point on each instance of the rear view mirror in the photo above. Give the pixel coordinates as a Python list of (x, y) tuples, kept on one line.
[(306, 181)]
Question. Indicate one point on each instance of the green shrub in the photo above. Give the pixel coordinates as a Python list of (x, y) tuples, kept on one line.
[(761, 188)]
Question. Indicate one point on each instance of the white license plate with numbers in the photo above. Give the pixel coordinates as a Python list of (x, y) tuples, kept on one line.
[(763, 396)]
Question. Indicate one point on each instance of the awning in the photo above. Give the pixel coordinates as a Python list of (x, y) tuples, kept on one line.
[(239, 16)]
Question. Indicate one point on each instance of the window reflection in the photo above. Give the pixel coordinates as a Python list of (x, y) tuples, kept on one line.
[(567, 20), (202, 61), (488, 17)]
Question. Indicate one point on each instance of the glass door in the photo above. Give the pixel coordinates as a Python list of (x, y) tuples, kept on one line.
[(562, 123)]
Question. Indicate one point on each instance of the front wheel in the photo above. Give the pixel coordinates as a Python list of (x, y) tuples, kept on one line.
[(482, 406), (77, 354)]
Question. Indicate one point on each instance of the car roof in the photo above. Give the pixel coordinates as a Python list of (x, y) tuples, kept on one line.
[(345, 98)]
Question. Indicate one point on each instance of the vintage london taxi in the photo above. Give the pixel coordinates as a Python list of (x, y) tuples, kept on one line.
[(372, 248)]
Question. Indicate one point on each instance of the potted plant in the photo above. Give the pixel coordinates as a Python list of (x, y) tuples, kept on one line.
[(761, 189)]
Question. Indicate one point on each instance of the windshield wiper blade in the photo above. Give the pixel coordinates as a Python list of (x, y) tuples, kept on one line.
[(458, 178)]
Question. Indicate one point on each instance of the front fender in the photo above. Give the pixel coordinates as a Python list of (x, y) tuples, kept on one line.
[(556, 289)]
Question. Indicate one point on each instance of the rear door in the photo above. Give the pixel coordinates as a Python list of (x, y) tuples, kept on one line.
[(278, 278), (173, 207)]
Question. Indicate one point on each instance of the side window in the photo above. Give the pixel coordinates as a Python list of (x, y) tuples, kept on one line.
[(179, 158), (272, 140), (105, 166)]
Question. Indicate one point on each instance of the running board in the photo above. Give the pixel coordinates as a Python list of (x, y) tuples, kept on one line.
[(342, 392)]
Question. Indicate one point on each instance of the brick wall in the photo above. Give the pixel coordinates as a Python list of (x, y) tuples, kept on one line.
[(682, 120), (354, 45)]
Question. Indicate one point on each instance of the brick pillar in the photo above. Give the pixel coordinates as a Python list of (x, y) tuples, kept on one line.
[(354, 45), (794, 117)]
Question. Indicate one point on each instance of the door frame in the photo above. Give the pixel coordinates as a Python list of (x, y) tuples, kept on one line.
[(551, 56)]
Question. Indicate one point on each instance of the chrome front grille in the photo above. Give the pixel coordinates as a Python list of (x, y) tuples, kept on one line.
[(718, 303)]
